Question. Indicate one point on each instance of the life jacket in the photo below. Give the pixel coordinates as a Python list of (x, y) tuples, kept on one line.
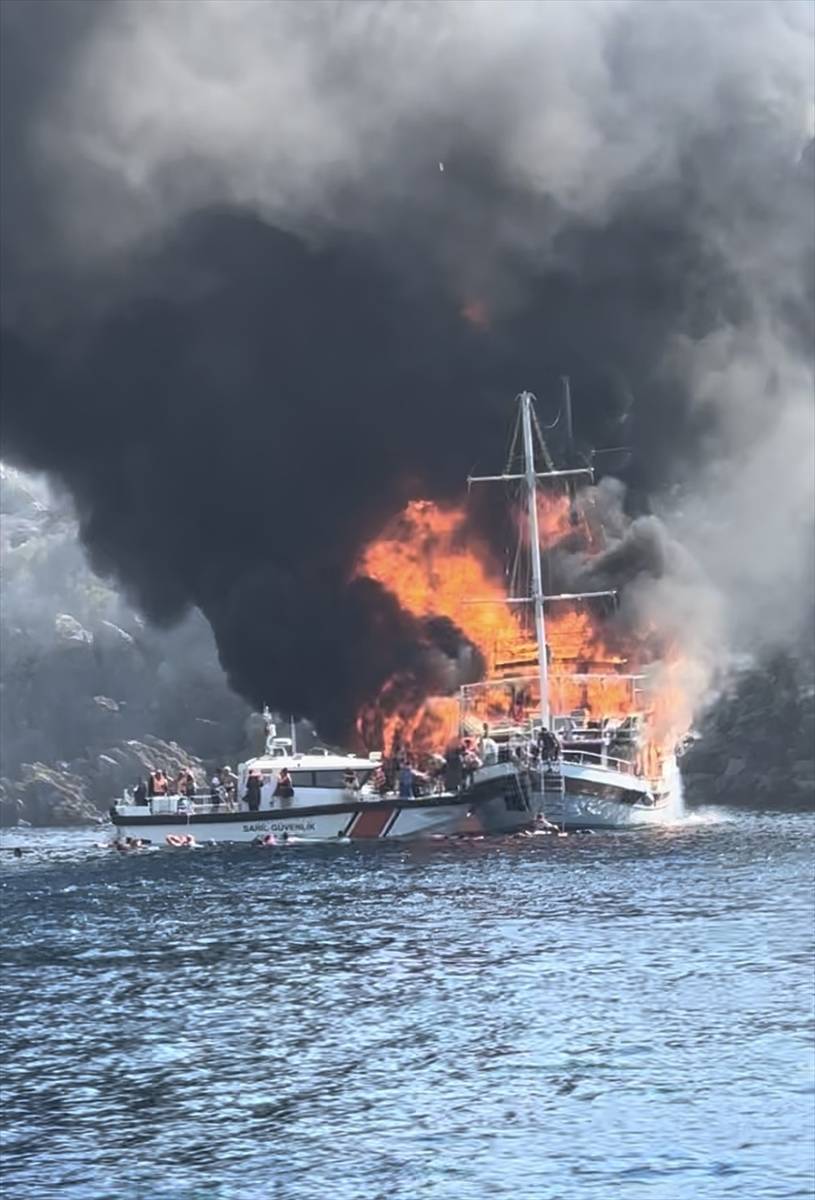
[(284, 787)]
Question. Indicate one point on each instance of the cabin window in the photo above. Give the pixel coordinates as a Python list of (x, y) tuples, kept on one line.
[(336, 779), (302, 779)]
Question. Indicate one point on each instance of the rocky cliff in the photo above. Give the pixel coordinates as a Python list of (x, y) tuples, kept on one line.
[(756, 745), (89, 696)]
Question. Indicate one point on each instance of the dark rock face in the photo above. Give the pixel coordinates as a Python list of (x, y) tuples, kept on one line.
[(45, 796), (85, 684), (757, 744), (80, 792)]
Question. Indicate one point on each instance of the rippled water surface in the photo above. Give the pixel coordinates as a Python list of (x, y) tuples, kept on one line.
[(583, 1017)]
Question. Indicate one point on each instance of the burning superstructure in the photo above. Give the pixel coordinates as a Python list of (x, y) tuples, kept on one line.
[(602, 669)]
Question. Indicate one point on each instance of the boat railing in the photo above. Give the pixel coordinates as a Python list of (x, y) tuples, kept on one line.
[(184, 805), (204, 805)]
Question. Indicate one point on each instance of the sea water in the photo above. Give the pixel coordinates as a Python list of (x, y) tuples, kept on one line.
[(618, 1015)]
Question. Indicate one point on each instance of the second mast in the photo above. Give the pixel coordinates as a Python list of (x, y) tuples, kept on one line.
[(535, 553)]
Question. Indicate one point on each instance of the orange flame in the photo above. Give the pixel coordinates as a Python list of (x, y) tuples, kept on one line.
[(436, 565)]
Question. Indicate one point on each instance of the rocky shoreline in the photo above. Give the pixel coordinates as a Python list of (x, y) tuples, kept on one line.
[(80, 792), (756, 743)]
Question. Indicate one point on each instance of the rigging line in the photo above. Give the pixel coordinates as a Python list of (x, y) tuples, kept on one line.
[(513, 443), (515, 573), (550, 466)]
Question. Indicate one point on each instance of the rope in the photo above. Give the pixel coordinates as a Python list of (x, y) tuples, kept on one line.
[(513, 443), (547, 458)]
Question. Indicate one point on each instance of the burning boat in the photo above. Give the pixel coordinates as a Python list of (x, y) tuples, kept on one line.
[(599, 762), (616, 717)]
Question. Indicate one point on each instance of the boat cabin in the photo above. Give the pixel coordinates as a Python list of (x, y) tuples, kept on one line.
[(312, 772)]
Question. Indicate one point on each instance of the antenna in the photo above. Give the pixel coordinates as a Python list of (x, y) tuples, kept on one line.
[(567, 414)]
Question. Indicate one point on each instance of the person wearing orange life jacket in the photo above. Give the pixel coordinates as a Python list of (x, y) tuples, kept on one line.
[(470, 763), (284, 790)]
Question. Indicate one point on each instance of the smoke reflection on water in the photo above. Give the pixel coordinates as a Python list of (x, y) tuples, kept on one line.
[(536, 1017)]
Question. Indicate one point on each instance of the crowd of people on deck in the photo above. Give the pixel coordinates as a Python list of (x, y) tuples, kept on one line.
[(184, 787), (407, 774), (402, 773), (222, 793)]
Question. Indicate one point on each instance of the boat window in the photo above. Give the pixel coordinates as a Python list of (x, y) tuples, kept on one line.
[(336, 779), (302, 778)]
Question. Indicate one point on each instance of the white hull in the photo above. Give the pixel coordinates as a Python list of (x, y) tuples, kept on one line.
[(392, 823), (596, 797)]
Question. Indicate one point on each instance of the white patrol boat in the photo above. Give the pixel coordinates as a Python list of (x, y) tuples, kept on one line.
[(332, 797)]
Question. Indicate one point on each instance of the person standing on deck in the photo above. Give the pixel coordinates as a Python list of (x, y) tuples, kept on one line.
[(379, 782), (470, 763), (488, 747), (230, 784), (253, 786), (435, 771), (284, 789), (405, 781), (452, 769), (549, 746), (216, 791)]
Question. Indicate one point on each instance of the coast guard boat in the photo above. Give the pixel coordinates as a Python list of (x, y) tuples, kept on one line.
[(502, 798)]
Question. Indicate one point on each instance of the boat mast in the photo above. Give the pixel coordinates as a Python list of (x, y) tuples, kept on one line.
[(530, 478), (535, 553)]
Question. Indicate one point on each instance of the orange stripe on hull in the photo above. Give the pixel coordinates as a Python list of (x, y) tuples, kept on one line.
[(371, 823)]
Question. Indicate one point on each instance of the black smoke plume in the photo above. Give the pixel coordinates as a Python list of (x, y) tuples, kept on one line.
[(239, 328)]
